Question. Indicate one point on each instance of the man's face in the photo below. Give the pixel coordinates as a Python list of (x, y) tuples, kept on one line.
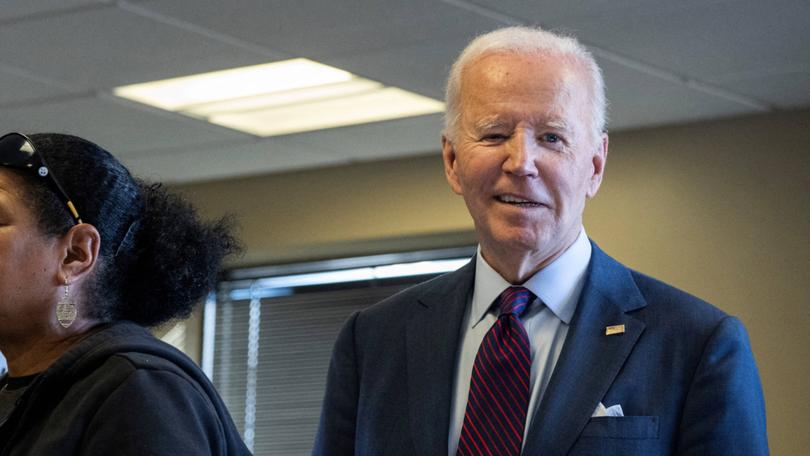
[(525, 155)]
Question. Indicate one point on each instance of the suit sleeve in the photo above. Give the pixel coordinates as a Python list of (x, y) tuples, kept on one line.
[(336, 432), (156, 413), (725, 410)]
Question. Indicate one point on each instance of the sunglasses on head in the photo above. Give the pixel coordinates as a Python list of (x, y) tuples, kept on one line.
[(17, 151)]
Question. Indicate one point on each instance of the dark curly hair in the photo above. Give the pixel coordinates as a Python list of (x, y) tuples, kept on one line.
[(157, 259)]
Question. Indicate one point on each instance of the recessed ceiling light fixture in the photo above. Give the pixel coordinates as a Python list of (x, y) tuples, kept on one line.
[(279, 98)]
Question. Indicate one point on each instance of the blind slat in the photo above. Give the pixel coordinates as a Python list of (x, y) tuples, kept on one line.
[(296, 335)]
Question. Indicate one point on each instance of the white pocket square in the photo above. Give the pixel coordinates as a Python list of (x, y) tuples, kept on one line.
[(613, 410)]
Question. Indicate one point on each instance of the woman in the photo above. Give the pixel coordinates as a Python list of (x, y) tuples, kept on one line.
[(89, 258)]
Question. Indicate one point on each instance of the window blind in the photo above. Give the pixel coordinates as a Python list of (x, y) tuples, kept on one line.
[(269, 332), (271, 356)]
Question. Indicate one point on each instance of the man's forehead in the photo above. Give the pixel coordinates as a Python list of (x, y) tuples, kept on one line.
[(552, 108), (502, 89), (559, 71), (497, 61)]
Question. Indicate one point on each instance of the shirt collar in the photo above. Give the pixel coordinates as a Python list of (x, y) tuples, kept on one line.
[(558, 285)]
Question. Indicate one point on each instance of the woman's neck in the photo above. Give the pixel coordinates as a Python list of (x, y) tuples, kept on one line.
[(35, 354)]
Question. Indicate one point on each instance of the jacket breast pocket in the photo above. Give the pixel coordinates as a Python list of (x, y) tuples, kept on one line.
[(624, 427)]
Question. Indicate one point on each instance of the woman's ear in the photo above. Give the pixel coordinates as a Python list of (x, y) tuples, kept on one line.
[(80, 246)]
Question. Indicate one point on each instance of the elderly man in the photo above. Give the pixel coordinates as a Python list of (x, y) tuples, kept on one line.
[(542, 344)]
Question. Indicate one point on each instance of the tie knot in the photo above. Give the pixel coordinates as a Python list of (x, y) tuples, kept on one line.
[(514, 300)]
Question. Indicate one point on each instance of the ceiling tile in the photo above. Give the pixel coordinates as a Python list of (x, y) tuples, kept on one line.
[(118, 127), (105, 48), (380, 140), (18, 88), (320, 28), (638, 99), (225, 161), (553, 14), (427, 65), (15, 9), (706, 40), (790, 89)]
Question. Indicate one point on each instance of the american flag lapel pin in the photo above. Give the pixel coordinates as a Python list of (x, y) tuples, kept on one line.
[(615, 329)]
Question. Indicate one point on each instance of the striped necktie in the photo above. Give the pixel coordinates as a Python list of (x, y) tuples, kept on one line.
[(499, 388)]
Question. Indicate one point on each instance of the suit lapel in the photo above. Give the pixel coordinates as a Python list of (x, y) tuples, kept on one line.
[(432, 343), (590, 360)]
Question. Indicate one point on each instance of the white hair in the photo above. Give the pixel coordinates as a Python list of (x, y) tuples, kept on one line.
[(525, 40)]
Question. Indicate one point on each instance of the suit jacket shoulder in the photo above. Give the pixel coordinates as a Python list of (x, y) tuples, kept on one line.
[(677, 302), (440, 290), (391, 373), (682, 371)]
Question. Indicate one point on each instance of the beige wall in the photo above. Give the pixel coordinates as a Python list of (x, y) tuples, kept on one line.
[(720, 209)]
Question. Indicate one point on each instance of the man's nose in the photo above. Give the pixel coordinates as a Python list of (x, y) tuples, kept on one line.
[(522, 152)]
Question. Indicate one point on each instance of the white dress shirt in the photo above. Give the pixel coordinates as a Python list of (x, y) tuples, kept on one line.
[(557, 287)]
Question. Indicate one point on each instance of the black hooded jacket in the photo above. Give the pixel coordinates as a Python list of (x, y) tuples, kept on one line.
[(121, 391)]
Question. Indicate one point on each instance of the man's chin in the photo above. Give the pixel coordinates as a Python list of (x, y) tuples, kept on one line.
[(526, 242), (520, 241)]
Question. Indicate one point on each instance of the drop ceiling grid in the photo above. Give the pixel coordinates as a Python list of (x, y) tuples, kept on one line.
[(91, 51), (80, 50), (18, 88)]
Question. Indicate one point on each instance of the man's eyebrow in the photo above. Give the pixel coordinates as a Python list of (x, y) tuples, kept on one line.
[(489, 123), (559, 124)]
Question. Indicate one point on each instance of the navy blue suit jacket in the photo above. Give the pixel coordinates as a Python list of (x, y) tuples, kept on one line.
[(682, 371)]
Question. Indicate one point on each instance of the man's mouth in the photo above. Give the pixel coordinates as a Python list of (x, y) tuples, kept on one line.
[(517, 201)]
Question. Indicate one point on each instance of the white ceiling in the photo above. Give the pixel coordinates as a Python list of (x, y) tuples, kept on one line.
[(664, 61)]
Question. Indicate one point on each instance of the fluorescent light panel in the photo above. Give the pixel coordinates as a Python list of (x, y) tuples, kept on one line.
[(383, 104), (177, 93), (285, 98), (281, 98)]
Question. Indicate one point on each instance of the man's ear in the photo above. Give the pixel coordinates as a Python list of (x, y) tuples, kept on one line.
[(598, 160), (449, 158), (80, 246)]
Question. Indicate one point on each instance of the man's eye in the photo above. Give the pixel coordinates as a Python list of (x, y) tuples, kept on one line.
[(494, 137), (550, 138)]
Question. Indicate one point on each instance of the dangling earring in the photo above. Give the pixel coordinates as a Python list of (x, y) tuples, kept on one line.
[(65, 309)]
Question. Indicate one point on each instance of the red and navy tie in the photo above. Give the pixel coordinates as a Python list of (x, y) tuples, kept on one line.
[(499, 387)]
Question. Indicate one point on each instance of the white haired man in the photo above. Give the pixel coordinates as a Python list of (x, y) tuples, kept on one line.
[(542, 344)]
